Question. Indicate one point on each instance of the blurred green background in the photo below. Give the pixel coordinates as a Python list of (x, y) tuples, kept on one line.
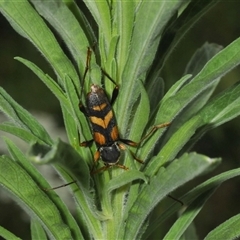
[(220, 25)]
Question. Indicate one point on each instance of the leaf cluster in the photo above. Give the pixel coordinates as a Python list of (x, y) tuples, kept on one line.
[(133, 50)]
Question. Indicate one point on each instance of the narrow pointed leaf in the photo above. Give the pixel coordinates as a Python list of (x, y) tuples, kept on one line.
[(211, 183), (5, 234), (22, 118), (71, 166), (63, 154), (223, 107), (19, 157), (67, 26), (218, 66), (183, 169), (230, 229), (47, 80), (28, 194), (23, 134), (26, 21), (37, 231), (142, 54), (188, 216), (119, 181)]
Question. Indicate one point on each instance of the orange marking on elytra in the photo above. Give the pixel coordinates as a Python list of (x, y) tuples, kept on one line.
[(102, 122), (99, 138), (114, 133), (99, 107)]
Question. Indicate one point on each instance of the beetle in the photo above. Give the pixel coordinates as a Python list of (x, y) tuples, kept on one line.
[(105, 132)]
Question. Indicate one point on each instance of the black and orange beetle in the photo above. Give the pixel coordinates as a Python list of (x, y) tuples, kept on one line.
[(105, 133)]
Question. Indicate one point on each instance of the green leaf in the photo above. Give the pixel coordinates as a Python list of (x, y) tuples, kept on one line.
[(5, 234), (84, 20), (67, 104), (71, 166), (115, 204), (22, 119), (67, 26), (101, 13), (219, 65), (70, 127), (28, 194), (18, 132), (145, 45), (190, 233), (188, 216), (65, 155), (77, 115), (175, 175), (142, 54), (170, 150), (123, 25), (206, 186), (149, 144), (155, 91), (178, 29), (195, 65), (47, 80), (21, 160), (141, 115), (37, 231), (26, 21), (176, 87), (230, 229), (223, 107), (201, 57), (119, 181)]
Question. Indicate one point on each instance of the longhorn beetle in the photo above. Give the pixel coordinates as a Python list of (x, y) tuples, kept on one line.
[(104, 125)]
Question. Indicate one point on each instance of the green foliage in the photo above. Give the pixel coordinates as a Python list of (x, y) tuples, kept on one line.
[(117, 204)]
